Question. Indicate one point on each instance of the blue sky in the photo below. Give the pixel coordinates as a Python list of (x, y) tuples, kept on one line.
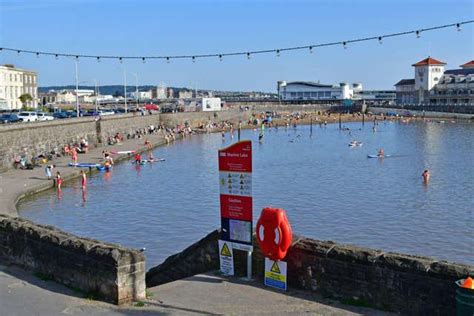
[(140, 27)]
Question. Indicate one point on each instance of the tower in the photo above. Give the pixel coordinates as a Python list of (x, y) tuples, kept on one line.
[(427, 73)]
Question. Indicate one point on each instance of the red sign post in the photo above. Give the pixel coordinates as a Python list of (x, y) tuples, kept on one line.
[(235, 183)]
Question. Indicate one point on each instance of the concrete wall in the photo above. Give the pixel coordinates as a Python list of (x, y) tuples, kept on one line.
[(196, 119), (103, 270), (428, 114), (400, 283)]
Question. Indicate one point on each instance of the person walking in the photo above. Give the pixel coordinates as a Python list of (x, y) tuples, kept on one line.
[(49, 171)]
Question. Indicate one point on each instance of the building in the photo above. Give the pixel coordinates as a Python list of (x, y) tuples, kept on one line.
[(140, 95), (376, 96), (433, 85), (159, 93), (305, 90), (13, 83), (185, 94)]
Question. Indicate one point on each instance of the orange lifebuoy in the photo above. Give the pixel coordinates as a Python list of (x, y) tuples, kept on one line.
[(274, 233)]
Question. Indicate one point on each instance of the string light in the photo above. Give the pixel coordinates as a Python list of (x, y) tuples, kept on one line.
[(56, 57), (77, 58), (248, 53), (120, 59), (143, 60), (37, 55), (194, 59)]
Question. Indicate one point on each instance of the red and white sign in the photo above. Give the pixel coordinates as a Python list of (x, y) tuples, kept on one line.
[(235, 185)]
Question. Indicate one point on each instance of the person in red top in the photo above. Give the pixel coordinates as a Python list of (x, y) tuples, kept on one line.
[(74, 156), (59, 181), (138, 158)]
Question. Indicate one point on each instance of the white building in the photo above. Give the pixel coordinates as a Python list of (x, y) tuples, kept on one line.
[(434, 85), (209, 104), (305, 90), (142, 95), (13, 83)]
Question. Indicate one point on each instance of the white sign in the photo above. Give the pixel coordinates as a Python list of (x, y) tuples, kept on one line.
[(275, 274), (226, 257)]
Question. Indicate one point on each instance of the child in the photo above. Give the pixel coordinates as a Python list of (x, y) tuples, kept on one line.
[(48, 170), (84, 179), (59, 181)]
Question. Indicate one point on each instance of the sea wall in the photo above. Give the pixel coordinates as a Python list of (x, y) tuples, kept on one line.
[(101, 270), (42, 137), (395, 282), (427, 114)]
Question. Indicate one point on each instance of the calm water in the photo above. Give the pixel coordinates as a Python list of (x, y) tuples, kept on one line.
[(330, 191)]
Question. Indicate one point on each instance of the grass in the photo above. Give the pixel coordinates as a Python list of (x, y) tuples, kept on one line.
[(139, 304), (148, 294)]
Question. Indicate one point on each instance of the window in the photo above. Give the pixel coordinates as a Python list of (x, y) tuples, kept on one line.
[(435, 79)]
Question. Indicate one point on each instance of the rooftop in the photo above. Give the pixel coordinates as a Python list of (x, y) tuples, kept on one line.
[(405, 82), (310, 84), (469, 64), (462, 72), (429, 62)]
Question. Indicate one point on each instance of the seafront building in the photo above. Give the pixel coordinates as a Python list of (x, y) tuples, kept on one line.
[(13, 83), (433, 85), (315, 91)]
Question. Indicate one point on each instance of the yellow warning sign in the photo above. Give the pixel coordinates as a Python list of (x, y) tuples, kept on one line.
[(225, 251), (274, 268)]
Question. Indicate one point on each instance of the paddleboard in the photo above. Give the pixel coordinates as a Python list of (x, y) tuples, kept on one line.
[(123, 152), (376, 156), (103, 168), (83, 165)]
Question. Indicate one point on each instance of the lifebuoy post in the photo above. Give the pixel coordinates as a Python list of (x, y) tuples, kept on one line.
[(274, 236), (236, 204)]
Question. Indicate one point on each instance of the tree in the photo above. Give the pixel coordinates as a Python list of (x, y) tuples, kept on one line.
[(24, 98)]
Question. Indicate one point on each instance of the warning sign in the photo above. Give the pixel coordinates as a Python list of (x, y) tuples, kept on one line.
[(226, 257), (275, 274)]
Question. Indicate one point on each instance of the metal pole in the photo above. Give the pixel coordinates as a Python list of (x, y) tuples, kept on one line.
[(136, 89), (96, 97), (125, 87), (77, 88), (340, 121), (249, 265), (363, 119), (311, 127)]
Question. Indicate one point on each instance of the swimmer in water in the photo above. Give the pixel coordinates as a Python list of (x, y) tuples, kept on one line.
[(260, 137), (426, 176), (223, 135), (381, 153)]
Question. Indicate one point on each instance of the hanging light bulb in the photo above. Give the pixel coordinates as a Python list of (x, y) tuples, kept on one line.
[(120, 59), (458, 27), (98, 59), (311, 49), (56, 57), (77, 58), (37, 55), (167, 60), (143, 60), (344, 44), (248, 55), (380, 40), (220, 57), (18, 51), (417, 34), (278, 52), (194, 59)]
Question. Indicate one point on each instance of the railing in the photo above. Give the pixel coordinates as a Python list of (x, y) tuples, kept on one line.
[(449, 108)]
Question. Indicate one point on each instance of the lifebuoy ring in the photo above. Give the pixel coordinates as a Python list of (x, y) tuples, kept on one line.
[(274, 233)]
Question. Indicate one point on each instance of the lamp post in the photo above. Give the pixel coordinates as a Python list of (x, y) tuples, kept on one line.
[(125, 88), (136, 88), (77, 87)]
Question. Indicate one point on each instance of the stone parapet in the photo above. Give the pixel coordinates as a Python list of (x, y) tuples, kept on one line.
[(105, 271)]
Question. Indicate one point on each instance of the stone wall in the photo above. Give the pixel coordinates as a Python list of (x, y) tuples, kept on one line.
[(105, 271), (124, 124), (395, 282), (196, 119), (39, 137)]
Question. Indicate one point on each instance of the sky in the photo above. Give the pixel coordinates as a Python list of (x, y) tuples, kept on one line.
[(145, 28)]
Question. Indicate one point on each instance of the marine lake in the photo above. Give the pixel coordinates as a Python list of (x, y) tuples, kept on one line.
[(329, 190)]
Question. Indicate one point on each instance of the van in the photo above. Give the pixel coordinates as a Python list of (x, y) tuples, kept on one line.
[(28, 116)]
